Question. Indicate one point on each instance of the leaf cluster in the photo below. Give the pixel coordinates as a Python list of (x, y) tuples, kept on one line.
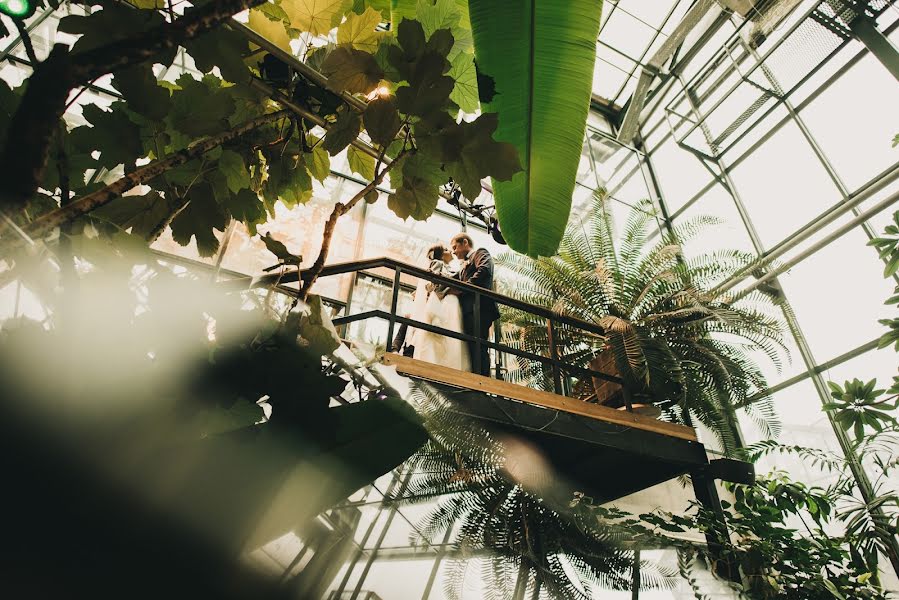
[(556, 554), (673, 340)]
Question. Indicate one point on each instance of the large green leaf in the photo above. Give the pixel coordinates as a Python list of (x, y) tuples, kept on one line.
[(541, 55)]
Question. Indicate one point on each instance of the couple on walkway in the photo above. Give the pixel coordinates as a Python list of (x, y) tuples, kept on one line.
[(452, 309)]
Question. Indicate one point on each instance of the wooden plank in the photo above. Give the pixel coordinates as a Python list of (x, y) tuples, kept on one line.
[(441, 374)]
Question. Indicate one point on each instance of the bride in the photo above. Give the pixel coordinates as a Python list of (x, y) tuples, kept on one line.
[(433, 305)]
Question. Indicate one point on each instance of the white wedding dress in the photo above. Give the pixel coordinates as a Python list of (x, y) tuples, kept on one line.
[(441, 310)]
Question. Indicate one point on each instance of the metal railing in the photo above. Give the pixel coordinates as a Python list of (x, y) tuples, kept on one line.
[(560, 369)]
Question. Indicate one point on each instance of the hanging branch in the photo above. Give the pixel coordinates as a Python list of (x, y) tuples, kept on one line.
[(341, 209), (92, 201), (24, 156), (26, 41)]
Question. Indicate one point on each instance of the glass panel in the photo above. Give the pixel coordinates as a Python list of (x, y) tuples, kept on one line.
[(803, 424), (838, 295), (783, 185), (681, 175), (859, 144)]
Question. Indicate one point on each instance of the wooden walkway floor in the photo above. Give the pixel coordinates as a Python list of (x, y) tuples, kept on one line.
[(488, 385)]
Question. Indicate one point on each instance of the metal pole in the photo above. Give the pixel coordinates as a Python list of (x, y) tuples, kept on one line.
[(371, 527), (436, 568), (374, 550), (861, 218), (865, 29), (554, 355), (394, 300), (476, 360), (635, 576)]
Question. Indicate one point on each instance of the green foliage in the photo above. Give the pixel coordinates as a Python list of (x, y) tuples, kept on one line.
[(352, 70), (544, 77), (199, 218), (767, 557), (556, 554), (280, 251), (888, 246), (857, 405), (170, 371), (382, 121), (276, 162), (673, 340)]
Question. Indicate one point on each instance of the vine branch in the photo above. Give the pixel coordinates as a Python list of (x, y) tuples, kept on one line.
[(92, 201), (341, 209), (24, 156)]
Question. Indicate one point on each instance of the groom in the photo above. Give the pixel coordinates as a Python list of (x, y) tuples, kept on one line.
[(477, 269)]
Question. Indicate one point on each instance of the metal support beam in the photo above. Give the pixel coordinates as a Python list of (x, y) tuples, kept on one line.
[(865, 29)]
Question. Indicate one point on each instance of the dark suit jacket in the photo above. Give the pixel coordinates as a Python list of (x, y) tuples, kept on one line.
[(479, 272)]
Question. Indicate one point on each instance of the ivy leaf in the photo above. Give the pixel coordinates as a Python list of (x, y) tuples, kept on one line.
[(415, 198), (114, 23), (141, 214), (442, 14), (115, 135), (486, 86), (411, 39), (361, 163), (317, 57), (382, 121), (470, 154), (288, 180), (315, 16), (316, 328), (465, 91), (317, 161), (342, 132), (182, 175), (142, 93), (429, 89), (358, 31), (441, 42), (420, 166), (223, 48), (352, 70), (198, 219), (217, 105), (382, 6), (268, 21), (278, 248), (232, 166), (246, 207), (382, 57)]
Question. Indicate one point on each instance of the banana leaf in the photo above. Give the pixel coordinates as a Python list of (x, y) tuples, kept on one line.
[(541, 55)]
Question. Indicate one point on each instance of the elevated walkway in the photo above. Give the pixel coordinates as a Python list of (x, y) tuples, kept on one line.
[(603, 452)]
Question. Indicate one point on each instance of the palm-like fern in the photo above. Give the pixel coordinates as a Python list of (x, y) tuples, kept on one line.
[(527, 546), (675, 341)]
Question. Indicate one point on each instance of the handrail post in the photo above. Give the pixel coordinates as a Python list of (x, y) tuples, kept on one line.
[(497, 339), (554, 355), (476, 359), (394, 300)]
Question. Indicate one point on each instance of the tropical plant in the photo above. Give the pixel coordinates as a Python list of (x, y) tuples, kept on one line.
[(165, 387), (541, 55), (528, 545), (265, 130), (675, 342), (779, 546)]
